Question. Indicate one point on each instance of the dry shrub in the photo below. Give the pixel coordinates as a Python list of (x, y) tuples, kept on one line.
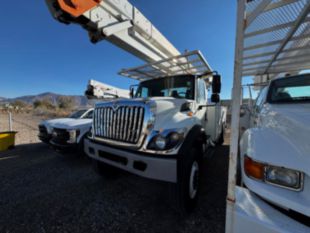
[(66, 102)]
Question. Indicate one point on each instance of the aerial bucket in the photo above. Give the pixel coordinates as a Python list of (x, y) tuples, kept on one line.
[(77, 7), (7, 140)]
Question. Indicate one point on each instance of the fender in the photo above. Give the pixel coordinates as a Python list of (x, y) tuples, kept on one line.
[(269, 146), (196, 136)]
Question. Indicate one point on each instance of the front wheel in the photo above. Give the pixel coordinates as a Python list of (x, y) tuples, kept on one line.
[(188, 184)]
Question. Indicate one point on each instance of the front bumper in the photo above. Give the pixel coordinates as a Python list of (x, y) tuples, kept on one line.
[(251, 214), (63, 147), (44, 137), (164, 169)]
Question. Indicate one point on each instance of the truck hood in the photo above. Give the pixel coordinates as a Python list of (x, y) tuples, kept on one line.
[(166, 110), (168, 114), (68, 123), (168, 104), (291, 123)]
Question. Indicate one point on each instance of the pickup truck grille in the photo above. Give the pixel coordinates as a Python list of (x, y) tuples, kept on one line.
[(123, 124), (60, 136)]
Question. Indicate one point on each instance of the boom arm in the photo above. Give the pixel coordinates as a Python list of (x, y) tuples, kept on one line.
[(118, 22), (98, 90)]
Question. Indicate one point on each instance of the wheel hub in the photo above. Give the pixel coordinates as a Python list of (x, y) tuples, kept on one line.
[(194, 180)]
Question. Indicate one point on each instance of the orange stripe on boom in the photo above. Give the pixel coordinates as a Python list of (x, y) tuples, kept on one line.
[(77, 7)]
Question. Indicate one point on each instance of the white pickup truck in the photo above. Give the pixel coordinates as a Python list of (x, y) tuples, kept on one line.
[(275, 158), (67, 133), (160, 133)]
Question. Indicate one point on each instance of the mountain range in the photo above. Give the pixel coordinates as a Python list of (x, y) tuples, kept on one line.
[(80, 100)]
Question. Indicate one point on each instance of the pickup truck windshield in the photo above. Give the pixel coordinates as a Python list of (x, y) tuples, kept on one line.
[(290, 90), (78, 114), (182, 87)]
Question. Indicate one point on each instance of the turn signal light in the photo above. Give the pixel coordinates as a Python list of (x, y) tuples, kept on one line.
[(190, 114), (254, 169)]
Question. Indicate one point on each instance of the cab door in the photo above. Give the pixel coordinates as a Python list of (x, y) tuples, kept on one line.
[(202, 100)]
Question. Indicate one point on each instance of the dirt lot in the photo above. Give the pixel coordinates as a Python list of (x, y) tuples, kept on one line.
[(42, 191), (25, 124)]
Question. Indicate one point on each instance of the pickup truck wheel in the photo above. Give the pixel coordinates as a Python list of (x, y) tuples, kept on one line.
[(188, 185), (80, 148), (105, 170)]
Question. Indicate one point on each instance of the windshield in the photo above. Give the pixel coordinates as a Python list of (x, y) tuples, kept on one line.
[(178, 87), (290, 90), (78, 114)]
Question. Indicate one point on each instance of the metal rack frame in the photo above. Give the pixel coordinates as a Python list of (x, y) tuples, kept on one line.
[(273, 39), (192, 63)]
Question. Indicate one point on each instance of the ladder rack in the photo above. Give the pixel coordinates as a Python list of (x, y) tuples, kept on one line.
[(192, 63)]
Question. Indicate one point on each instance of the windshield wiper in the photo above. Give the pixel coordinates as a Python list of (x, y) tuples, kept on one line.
[(302, 98)]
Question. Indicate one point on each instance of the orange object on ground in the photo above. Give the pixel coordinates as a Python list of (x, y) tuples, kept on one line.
[(7, 140), (77, 7)]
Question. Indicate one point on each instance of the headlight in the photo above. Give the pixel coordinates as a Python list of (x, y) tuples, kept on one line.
[(160, 142), (166, 140), (49, 129), (73, 135), (283, 177), (279, 176)]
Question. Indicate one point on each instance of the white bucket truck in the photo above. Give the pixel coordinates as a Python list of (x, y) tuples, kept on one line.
[(272, 153), (162, 132)]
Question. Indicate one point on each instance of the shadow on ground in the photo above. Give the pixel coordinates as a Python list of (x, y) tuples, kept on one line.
[(43, 191)]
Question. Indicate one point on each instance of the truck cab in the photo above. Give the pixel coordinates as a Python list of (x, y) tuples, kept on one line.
[(274, 150), (159, 134)]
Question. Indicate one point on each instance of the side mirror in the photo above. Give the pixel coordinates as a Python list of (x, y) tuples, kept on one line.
[(215, 98), (242, 112), (216, 84)]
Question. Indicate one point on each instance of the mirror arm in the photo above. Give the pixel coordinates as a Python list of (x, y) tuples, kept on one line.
[(205, 106)]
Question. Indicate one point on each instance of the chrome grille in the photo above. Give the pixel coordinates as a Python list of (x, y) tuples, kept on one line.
[(124, 124)]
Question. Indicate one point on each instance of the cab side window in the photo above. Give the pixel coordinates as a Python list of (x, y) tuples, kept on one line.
[(201, 94), (89, 115)]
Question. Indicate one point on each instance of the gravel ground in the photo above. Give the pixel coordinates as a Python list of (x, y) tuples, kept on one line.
[(42, 191)]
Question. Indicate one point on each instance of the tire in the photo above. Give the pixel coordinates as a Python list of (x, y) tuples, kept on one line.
[(188, 185), (80, 148), (105, 170)]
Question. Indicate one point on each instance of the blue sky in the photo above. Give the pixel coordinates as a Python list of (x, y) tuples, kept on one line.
[(38, 54)]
